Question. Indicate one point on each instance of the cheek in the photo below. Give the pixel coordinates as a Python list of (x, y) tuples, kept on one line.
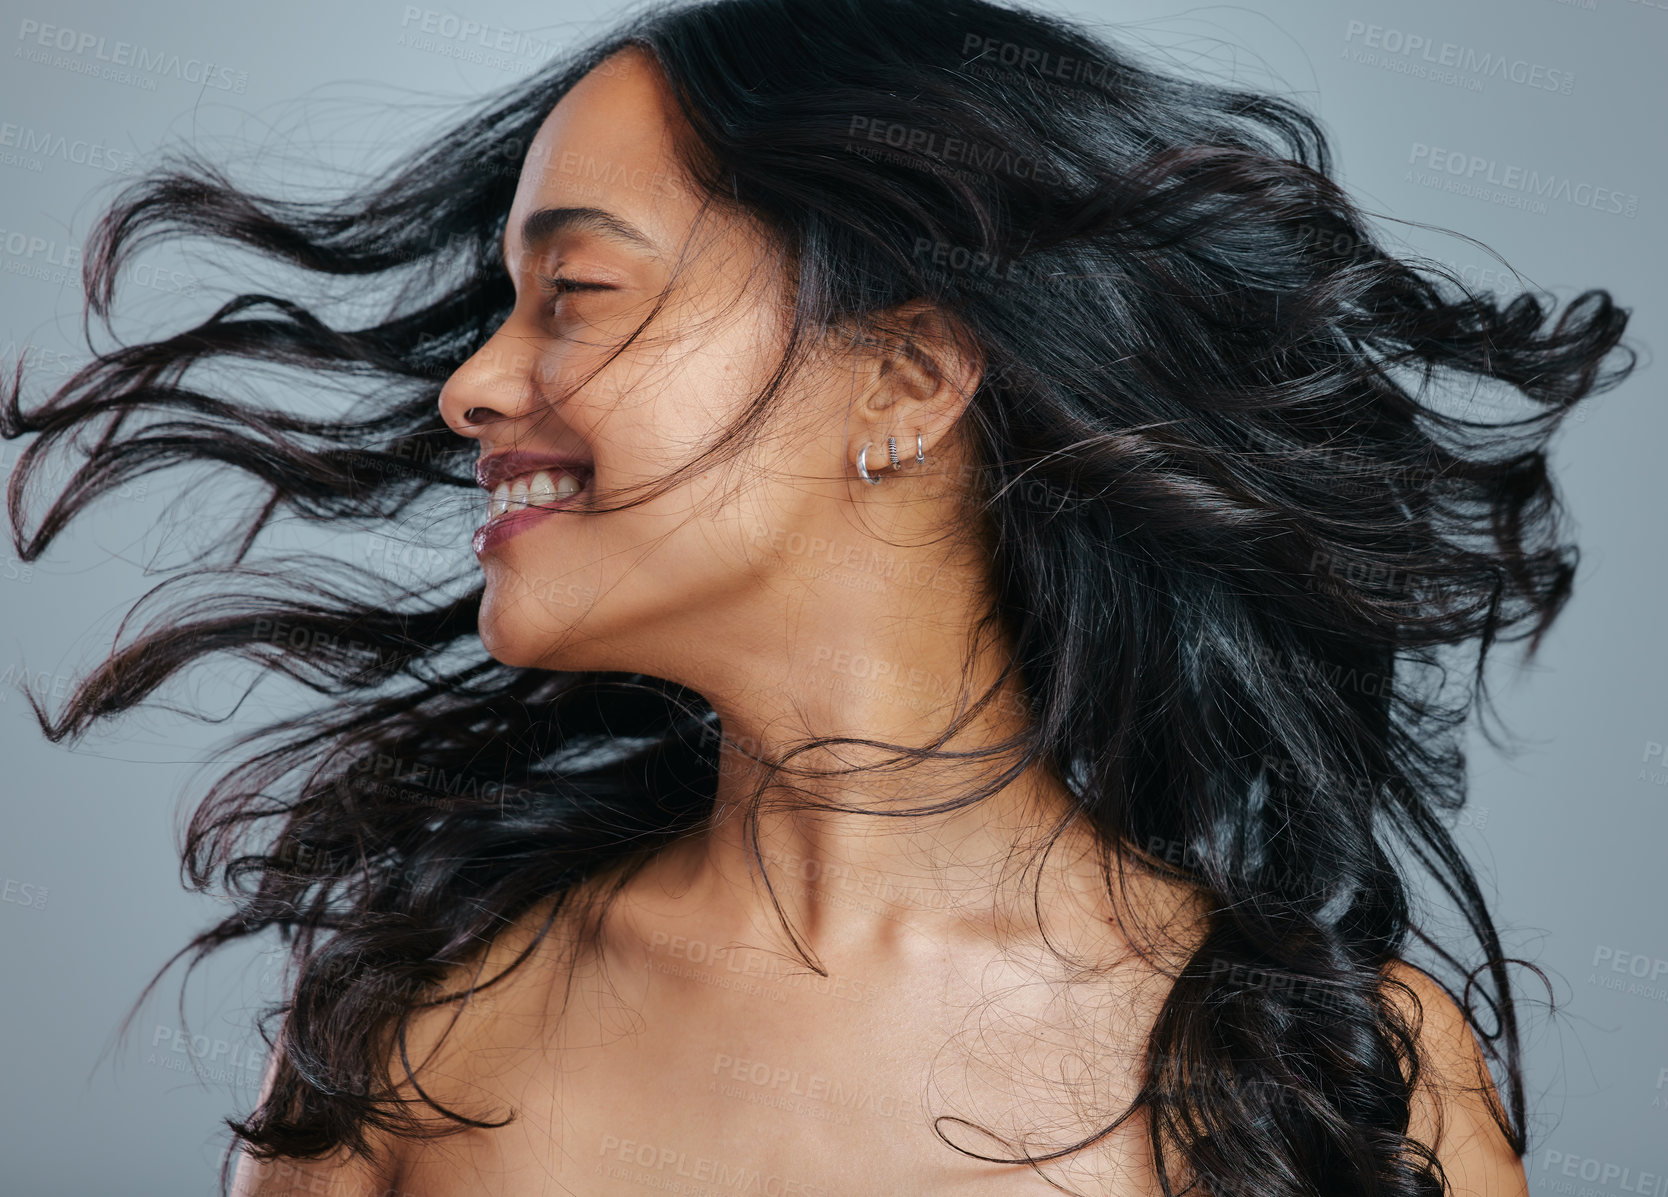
[(662, 403), (662, 419)]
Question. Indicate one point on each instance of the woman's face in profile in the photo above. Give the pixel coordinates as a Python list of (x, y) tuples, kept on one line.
[(602, 213)]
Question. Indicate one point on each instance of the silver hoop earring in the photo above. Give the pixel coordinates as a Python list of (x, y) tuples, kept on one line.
[(892, 450), (920, 453), (863, 465)]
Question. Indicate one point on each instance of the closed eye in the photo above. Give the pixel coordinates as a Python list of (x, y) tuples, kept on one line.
[(556, 286)]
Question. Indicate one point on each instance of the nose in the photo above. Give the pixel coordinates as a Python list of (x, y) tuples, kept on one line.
[(495, 384)]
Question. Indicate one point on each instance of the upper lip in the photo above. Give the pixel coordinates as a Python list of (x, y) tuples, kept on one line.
[(510, 463)]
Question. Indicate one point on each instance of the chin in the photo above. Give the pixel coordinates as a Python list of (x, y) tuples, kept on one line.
[(504, 632), (519, 631)]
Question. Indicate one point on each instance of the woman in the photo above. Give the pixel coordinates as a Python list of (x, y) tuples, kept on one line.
[(971, 563)]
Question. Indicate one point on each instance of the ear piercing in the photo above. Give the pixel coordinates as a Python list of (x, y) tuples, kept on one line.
[(863, 465), (892, 453)]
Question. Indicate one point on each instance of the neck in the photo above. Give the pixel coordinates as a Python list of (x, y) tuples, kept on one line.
[(808, 654), (847, 862)]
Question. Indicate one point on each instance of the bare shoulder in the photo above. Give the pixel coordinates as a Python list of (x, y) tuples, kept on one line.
[(1455, 1110), (339, 1175), (463, 1053), (457, 1055)]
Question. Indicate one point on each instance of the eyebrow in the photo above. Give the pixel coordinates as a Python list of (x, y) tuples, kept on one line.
[(546, 223)]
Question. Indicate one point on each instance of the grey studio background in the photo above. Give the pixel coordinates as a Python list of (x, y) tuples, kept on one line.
[(1438, 112)]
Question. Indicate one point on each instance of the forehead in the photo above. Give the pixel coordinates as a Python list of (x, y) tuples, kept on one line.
[(609, 143)]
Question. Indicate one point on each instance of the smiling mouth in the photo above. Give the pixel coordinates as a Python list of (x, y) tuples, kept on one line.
[(536, 489)]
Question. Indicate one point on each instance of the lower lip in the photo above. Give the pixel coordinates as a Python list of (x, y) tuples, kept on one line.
[(502, 527)]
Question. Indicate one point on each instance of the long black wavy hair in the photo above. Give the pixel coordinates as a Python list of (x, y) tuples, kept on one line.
[(1243, 545)]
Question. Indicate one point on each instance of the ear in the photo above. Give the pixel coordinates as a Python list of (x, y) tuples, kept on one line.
[(918, 368)]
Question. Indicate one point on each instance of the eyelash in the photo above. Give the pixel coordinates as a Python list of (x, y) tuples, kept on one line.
[(556, 286)]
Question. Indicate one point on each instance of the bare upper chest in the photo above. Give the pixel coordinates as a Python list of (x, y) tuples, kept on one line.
[(708, 1067)]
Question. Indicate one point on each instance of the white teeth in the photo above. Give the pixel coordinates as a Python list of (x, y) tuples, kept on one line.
[(541, 490), (532, 490)]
